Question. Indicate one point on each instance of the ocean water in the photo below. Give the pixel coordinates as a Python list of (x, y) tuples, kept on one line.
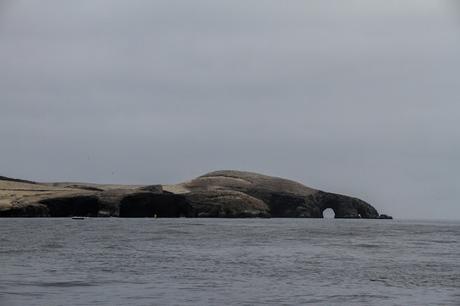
[(228, 262)]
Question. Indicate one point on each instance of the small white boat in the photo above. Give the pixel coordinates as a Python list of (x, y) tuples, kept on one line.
[(78, 218)]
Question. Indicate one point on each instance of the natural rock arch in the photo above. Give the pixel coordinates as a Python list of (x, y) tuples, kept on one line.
[(285, 198), (345, 206)]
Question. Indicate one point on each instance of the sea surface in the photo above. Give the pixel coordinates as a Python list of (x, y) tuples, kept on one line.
[(115, 261)]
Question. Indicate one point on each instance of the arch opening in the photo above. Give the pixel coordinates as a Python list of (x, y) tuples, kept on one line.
[(328, 213)]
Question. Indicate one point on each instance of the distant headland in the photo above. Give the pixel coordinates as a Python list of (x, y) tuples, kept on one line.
[(219, 194)]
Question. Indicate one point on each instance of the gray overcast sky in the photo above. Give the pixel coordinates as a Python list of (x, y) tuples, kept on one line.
[(355, 97)]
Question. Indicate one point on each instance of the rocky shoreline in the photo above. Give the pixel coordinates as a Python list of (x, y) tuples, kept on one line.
[(220, 194)]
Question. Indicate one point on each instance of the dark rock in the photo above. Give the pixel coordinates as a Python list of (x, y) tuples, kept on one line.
[(25, 211), (344, 206), (75, 205), (383, 216), (111, 201), (149, 204), (286, 205)]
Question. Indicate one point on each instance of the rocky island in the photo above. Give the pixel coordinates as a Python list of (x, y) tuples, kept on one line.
[(219, 194)]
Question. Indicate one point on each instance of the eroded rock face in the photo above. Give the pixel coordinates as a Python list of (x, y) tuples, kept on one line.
[(110, 201), (25, 211), (285, 205), (230, 194), (79, 205), (344, 206), (284, 198), (226, 204), (149, 204)]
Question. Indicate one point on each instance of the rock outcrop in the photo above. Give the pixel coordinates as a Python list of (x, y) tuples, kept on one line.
[(284, 198), (226, 204), (228, 194)]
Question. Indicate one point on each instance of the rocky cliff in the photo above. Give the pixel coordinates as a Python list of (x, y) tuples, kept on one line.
[(230, 194)]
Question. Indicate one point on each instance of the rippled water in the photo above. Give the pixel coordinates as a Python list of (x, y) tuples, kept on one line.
[(228, 262)]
